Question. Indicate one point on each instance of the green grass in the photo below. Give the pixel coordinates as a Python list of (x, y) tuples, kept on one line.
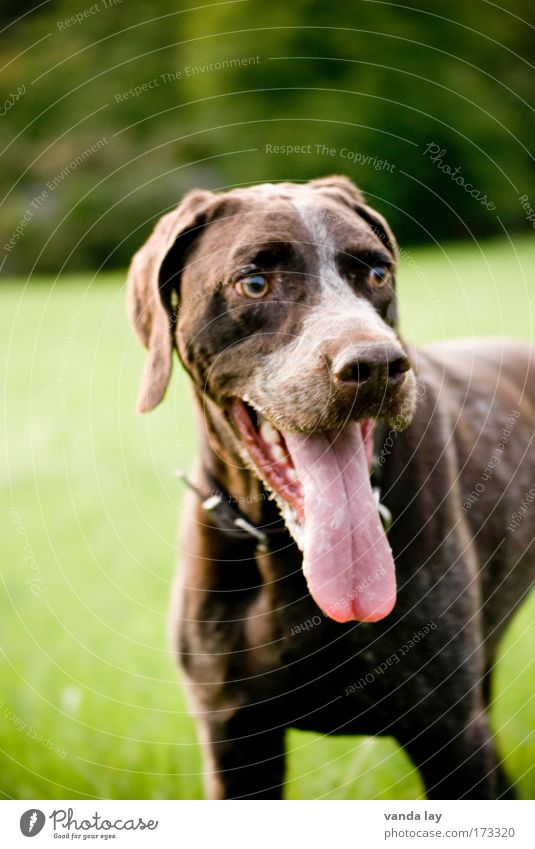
[(92, 504)]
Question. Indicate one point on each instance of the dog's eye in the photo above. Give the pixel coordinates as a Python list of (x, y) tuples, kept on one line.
[(252, 286), (379, 275)]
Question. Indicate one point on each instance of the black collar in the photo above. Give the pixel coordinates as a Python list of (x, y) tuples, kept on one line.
[(223, 510)]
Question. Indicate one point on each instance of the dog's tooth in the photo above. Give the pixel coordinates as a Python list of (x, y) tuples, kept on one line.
[(291, 474), (278, 451), (268, 433)]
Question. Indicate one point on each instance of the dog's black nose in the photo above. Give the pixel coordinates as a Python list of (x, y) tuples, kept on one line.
[(377, 363)]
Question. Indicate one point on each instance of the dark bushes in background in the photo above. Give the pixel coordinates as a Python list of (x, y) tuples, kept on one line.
[(117, 108)]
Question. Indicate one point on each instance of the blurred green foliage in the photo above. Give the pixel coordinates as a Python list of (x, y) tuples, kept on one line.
[(219, 83)]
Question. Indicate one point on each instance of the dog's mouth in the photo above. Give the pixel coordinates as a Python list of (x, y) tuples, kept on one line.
[(321, 482), (268, 449)]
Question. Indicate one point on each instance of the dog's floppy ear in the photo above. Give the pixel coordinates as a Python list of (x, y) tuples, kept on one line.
[(344, 191), (340, 188), (151, 283)]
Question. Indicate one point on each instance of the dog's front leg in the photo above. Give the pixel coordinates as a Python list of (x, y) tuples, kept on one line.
[(241, 760), (456, 763)]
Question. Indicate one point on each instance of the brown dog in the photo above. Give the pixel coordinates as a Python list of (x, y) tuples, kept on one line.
[(296, 607)]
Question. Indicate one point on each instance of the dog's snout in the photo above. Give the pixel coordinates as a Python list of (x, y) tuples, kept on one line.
[(378, 363)]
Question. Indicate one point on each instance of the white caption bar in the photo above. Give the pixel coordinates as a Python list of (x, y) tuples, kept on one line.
[(268, 825)]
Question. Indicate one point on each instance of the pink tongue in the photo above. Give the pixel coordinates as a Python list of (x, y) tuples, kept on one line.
[(348, 562)]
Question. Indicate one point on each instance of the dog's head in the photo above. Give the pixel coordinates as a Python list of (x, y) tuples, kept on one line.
[(280, 300)]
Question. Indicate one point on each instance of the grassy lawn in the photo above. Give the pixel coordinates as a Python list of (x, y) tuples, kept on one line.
[(89, 700)]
